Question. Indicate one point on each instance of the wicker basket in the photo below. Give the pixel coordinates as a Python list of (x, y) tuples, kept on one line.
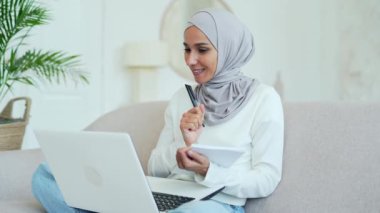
[(12, 130)]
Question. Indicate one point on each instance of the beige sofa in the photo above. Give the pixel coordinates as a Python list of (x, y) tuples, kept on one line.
[(331, 158)]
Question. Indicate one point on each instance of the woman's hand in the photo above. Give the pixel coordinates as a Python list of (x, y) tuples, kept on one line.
[(192, 161), (191, 124)]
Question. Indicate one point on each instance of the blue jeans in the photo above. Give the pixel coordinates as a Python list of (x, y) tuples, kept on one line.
[(45, 189)]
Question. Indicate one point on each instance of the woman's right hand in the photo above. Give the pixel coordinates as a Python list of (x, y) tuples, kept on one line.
[(191, 124)]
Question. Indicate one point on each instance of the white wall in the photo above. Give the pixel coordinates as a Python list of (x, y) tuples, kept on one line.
[(300, 39), (287, 36)]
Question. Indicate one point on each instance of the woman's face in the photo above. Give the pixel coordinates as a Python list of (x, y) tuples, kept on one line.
[(200, 55)]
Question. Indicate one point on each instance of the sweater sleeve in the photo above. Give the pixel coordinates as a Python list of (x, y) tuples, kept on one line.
[(162, 159), (267, 133)]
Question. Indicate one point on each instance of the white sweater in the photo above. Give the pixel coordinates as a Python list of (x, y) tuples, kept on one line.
[(258, 128)]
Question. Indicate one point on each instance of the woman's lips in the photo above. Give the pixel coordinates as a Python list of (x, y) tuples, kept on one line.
[(197, 71)]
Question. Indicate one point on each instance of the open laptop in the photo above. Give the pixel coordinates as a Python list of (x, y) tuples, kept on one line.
[(100, 171)]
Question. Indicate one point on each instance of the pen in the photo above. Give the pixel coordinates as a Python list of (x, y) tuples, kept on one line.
[(192, 97), (213, 194)]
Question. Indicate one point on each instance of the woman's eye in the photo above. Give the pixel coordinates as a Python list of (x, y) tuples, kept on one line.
[(187, 50), (203, 50)]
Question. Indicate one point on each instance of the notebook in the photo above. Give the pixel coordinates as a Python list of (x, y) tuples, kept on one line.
[(221, 155), (100, 171)]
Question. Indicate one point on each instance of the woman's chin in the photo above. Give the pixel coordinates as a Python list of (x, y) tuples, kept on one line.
[(199, 81)]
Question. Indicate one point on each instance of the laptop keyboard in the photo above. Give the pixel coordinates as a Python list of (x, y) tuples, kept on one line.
[(167, 201)]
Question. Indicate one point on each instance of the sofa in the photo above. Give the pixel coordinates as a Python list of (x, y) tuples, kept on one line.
[(331, 158)]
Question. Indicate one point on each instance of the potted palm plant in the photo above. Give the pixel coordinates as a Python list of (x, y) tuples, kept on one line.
[(19, 65)]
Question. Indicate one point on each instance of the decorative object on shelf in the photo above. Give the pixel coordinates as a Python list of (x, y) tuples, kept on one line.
[(142, 59), (172, 25), (17, 65), (21, 65), (12, 129)]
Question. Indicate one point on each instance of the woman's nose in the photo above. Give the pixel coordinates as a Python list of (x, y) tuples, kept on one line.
[(191, 59)]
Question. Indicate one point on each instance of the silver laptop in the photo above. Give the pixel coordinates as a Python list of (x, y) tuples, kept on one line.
[(100, 171)]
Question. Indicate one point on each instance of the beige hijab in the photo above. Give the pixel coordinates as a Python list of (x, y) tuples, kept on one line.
[(229, 90)]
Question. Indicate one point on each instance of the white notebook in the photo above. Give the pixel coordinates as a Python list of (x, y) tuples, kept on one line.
[(221, 155)]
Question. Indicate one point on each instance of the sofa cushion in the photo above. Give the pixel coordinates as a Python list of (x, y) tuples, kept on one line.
[(16, 170), (142, 123), (20, 166), (21, 206), (331, 160)]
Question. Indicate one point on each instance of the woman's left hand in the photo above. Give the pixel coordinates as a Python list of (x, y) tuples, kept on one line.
[(192, 161)]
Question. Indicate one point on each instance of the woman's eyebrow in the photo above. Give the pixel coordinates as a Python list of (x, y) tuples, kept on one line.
[(197, 44), (202, 44)]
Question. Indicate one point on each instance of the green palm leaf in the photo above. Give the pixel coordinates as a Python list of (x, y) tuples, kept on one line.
[(17, 18), (52, 66)]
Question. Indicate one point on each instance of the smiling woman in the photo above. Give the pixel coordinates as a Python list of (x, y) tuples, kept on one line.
[(174, 22), (200, 55)]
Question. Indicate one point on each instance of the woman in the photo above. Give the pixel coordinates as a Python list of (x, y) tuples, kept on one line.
[(237, 111)]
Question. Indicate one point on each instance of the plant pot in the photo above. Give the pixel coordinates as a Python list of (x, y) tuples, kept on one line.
[(12, 129)]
